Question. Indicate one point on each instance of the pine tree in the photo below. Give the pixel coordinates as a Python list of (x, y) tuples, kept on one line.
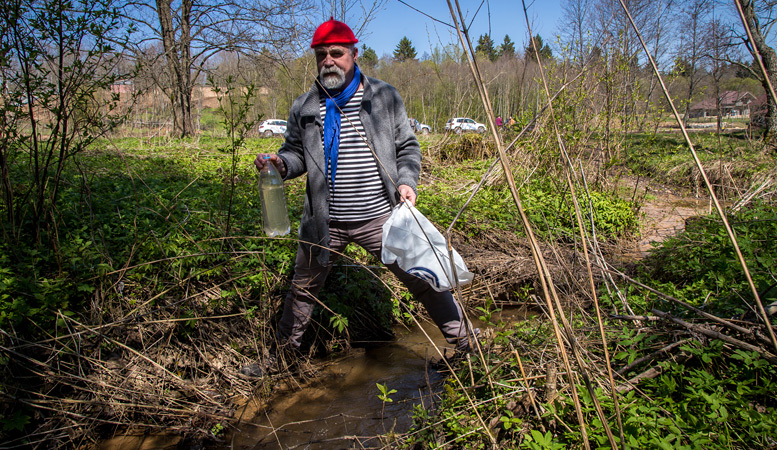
[(543, 49), (404, 50), (507, 48), (368, 58), (486, 47)]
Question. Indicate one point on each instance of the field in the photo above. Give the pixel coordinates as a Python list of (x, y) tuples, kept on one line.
[(624, 269), (140, 303)]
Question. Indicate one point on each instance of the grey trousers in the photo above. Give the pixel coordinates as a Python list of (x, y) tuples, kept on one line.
[(309, 277)]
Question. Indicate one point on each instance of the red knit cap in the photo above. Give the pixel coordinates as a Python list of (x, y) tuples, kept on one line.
[(333, 32)]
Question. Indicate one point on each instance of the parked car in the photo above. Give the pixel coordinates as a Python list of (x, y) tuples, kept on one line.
[(460, 124), (423, 129), (272, 127), (419, 127)]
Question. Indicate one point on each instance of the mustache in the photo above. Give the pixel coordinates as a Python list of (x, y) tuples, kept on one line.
[(334, 69)]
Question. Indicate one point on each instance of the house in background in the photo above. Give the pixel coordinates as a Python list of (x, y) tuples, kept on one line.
[(732, 103)]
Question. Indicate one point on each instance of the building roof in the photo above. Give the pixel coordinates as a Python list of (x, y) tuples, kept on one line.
[(727, 99)]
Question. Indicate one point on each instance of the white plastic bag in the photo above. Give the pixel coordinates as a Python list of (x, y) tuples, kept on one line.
[(404, 242)]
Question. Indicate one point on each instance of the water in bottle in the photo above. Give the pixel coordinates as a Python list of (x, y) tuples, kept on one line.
[(274, 213)]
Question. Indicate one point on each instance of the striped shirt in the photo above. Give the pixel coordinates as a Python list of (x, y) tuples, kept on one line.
[(360, 193)]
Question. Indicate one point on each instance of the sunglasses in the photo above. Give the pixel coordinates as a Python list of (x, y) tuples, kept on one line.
[(334, 52)]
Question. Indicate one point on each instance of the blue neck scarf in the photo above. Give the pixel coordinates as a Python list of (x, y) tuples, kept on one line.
[(334, 103)]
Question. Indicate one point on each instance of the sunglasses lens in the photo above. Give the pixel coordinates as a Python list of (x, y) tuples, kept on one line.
[(335, 53)]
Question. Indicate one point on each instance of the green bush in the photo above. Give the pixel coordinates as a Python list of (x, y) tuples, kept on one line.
[(716, 398), (161, 210)]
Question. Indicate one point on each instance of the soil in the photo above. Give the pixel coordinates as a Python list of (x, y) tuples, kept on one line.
[(663, 214)]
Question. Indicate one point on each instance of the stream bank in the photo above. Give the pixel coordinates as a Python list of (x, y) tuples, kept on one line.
[(340, 408)]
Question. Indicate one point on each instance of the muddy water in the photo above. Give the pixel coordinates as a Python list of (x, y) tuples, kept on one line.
[(341, 409)]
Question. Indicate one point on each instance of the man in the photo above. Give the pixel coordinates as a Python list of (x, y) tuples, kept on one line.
[(350, 134)]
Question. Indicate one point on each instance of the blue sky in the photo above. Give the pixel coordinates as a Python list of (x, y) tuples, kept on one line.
[(506, 17)]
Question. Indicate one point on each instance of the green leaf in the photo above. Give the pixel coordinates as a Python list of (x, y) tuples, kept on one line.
[(16, 422)]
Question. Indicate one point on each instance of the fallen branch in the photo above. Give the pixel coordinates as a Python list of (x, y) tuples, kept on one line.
[(726, 323), (651, 356), (716, 335), (653, 372), (628, 317)]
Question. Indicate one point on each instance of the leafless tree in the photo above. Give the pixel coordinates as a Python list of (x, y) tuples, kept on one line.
[(690, 52), (357, 14), (577, 27), (759, 18), (716, 54), (625, 53), (192, 32)]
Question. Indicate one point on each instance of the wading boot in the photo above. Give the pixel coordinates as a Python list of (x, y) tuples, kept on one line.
[(463, 348), (277, 360)]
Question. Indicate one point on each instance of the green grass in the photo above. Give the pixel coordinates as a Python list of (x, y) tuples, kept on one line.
[(708, 394), (152, 212), (547, 205), (666, 157), (136, 201), (699, 265)]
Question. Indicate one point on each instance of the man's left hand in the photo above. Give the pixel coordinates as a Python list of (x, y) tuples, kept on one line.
[(407, 193)]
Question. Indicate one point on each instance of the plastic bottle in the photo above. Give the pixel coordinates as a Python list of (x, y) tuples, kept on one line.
[(274, 213)]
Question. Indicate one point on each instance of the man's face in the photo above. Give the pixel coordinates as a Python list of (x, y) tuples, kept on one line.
[(335, 64)]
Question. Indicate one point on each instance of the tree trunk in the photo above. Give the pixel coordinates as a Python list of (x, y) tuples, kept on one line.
[(769, 59), (185, 80), (178, 58)]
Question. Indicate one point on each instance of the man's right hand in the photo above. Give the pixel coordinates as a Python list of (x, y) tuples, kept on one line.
[(262, 158)]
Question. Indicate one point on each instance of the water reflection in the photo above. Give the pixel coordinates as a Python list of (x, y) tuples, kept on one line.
[(342, 408)]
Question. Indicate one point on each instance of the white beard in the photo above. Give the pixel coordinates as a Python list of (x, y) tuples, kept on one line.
[(330, 81)]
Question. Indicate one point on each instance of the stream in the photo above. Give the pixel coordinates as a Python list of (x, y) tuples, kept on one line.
[(339, 408)]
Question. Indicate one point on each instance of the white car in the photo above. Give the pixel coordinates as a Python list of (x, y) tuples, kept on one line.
[(419, 127), (272, 127), (459, 124), (423, 128)]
